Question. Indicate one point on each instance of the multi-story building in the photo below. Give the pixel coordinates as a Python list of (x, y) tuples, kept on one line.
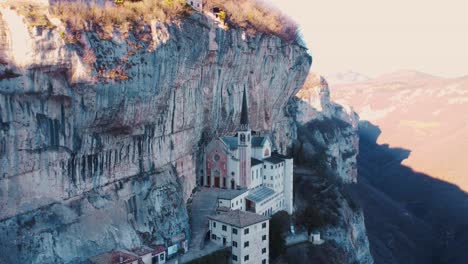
[(247, 234), (247, 162)]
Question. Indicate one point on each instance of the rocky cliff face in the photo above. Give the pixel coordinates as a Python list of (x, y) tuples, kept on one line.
[(99, 154), (326, 148)]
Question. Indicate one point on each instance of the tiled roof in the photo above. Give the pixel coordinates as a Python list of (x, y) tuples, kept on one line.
[(231, 142), (254, 162), (258, 141), (239, 218), (143, 250), (158, 249), (260, 194), (274, 160), (113, 257), (230, 194)]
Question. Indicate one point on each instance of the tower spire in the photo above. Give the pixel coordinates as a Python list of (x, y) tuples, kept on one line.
[(244, 122)]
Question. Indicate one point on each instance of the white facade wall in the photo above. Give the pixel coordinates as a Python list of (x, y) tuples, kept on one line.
[(271, 205), (256, 176), (288, 186), (235, 203), (259, 152), (273, 175), (147, 259), (233, 168), (257, 238)]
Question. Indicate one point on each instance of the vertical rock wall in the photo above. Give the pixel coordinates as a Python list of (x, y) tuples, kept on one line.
[(101, 155)]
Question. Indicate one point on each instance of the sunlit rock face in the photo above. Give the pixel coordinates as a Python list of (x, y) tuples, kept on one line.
[(95, 156), (328, 143), (327, 131)]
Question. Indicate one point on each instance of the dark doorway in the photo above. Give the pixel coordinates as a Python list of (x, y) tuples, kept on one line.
[(208, 181), (201, 181), (216, 182), (224, 182), (233, 184), (224, 241)]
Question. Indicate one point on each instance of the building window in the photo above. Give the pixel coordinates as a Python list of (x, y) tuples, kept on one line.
[(234, 257), (263, 237), (161, 257), (246, 244), (234, 243), (232, 173), (271, 166), (214, 224), (224, 228), (264, 261), (263, 250), (216, 157), (246, 257), (246, 231), (232, 205), (234, 231), (271, 177), (213, 236), (264, 225)]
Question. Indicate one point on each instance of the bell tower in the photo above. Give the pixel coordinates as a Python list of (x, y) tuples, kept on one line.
[(244, 143)]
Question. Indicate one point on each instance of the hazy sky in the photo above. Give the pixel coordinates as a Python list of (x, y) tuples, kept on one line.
[(379, 36)]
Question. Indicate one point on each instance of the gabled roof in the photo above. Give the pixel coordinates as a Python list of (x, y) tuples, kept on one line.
[(258, 142), (260, 194), (274, 160), (231, 142), (255, 162), (239, 218)]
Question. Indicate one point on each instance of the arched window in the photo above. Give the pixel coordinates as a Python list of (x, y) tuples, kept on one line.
[(242, 138), (267, 152)]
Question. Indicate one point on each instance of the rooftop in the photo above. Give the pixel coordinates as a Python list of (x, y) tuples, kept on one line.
[(112, 257), (231, 142), (158, 249), (260, 194), (239, 218), (274, 160), (258, 141), (254, 162), (143, 250), (230, 194), (277, 155)]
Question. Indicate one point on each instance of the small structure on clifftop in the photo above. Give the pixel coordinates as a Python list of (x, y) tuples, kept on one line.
[(196, 4)]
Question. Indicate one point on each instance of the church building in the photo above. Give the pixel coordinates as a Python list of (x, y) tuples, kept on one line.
[(247, 165)]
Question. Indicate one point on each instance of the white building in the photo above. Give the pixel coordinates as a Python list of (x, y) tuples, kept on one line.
[(248, 162), (196, 4), (245, 232)]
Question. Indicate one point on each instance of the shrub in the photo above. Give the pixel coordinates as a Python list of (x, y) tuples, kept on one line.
[(279, 225), (79, 16), (89, 57), (35, 15), (311, 218), (257, 16)]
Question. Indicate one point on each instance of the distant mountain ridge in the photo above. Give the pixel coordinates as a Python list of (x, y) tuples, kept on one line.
[(420, 112)]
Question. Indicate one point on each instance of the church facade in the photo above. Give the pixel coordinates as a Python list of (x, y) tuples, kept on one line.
[(248, 162)]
